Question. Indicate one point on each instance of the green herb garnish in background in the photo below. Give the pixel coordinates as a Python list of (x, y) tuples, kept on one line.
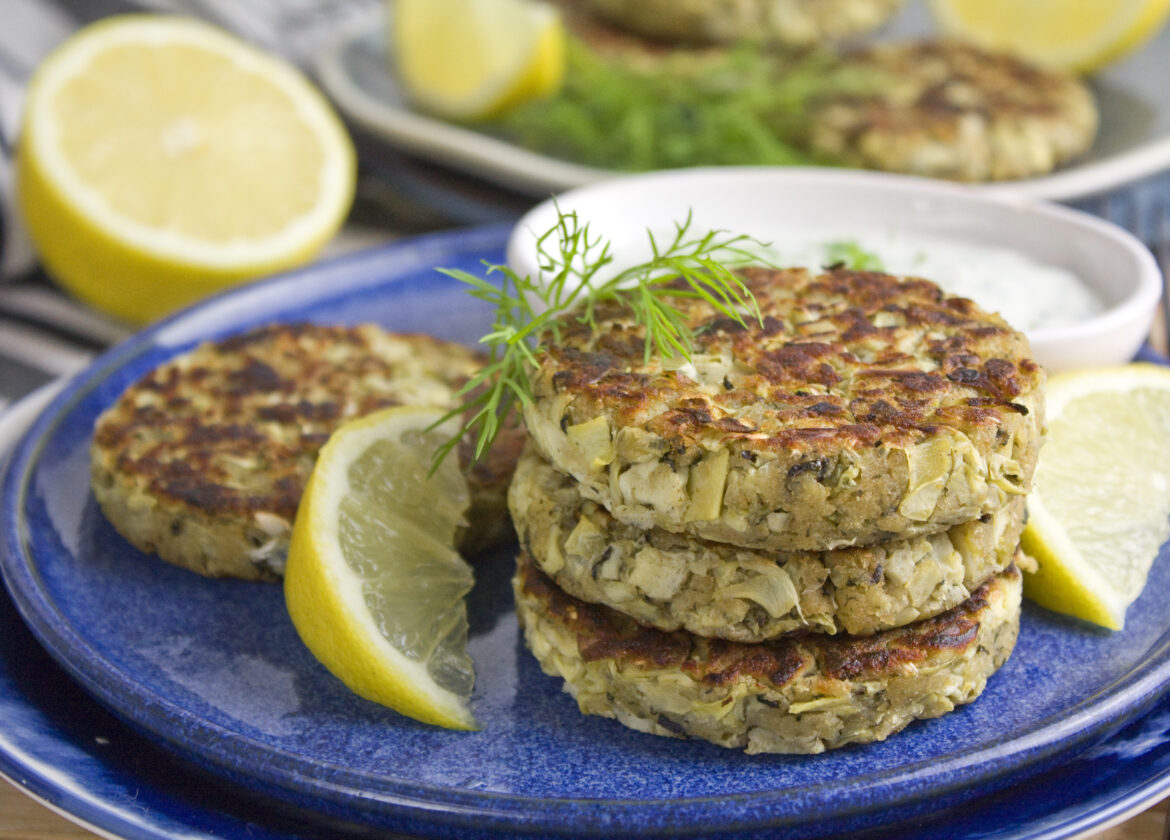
[(851, 255), (747, 105), (528, 312)]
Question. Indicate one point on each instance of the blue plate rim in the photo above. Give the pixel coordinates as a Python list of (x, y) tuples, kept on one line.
[(1060, 736), (33, 778), (85, 812), (89, 812)]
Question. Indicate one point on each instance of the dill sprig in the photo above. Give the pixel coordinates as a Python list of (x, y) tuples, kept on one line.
[(531, 313), (742, 105)]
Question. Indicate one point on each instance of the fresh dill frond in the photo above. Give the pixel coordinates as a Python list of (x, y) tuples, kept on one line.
[(531, 313), (744, 105)]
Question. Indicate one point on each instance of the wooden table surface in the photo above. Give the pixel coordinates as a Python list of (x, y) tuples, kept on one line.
[(21, 818)]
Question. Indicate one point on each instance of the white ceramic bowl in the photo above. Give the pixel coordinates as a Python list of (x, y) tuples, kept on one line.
[(764, 203)]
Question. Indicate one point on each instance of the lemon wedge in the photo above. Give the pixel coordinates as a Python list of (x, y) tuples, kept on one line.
[(1100, 508), (162, 159), (373, 583), (1076, 35), (470, 59)]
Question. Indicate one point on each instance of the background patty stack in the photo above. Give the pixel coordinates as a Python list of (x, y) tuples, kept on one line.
[(800, 539)]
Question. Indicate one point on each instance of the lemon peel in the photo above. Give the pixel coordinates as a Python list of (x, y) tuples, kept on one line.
[(1081, 37), (1100, 508), (162, 159), (373, 583), (473, 59)]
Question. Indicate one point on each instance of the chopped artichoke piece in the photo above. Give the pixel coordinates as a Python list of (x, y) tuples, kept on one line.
[(657, 573), (927, 576), (654, 484), (555, 560), (708, 479), (929, 465), (773, 591), (717, 709), (664, 697), (1007, 475), (585, 537), (778, 520), (840, 705), (593, 440)]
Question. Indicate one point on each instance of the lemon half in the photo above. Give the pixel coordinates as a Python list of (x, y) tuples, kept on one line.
[(469, 59), (373, 583), (162, 159), (1076, 35), (1100, 508)]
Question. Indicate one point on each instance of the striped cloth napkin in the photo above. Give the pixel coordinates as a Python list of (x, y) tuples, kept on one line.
[(43, 333)]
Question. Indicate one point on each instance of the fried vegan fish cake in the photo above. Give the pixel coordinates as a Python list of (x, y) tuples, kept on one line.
[(864, 408), (791, 22), (801, 694), (204, 459), (951, 110), (672, 582)]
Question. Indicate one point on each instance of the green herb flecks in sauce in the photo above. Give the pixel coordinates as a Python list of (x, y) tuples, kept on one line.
[(850, 254)]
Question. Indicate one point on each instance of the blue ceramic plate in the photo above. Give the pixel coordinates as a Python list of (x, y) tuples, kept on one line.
[(61, 747), (214, 670)]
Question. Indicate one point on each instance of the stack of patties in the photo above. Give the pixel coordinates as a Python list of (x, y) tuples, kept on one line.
[(804, 537)]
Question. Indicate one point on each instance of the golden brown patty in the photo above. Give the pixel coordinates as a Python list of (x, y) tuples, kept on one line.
[(951, 110), (802, 694), (203, 460), (673, 582), (794, 22), (863, 408)]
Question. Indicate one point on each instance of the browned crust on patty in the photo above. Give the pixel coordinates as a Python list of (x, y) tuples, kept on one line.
[(804, 369), (604, 633), (850, 377), (803, 694), (205, 458), (269, 398)]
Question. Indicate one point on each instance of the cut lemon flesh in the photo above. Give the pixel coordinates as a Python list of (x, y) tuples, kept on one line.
[(468, 59), (373, 583), (1100, 508), (1080, 36), (162, 159)]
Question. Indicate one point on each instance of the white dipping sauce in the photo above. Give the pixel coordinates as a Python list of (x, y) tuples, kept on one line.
[(1028, 294)]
